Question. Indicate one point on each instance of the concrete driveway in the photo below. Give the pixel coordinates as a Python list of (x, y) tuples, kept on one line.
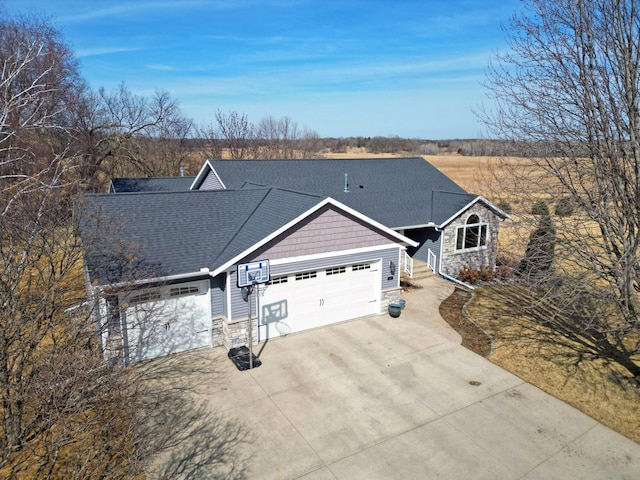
[(385, 398)]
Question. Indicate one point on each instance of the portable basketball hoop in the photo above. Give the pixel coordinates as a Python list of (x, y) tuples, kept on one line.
[(249, 276)]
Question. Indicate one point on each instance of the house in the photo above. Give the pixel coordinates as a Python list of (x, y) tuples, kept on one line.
[(162, 254)]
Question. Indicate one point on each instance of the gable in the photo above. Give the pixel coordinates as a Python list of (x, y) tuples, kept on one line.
[(326, 230), (207, 179), (477, 201)]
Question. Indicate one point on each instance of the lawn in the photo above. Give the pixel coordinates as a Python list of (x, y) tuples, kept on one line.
[(538, 355)]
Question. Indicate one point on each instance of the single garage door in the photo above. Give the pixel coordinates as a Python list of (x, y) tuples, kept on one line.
[(303, 300), (167, 320)]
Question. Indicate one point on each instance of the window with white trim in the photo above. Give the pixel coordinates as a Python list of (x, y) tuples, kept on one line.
[(144, 297), (179, 291), (305, 275), (278, 280), (472, 235), (336, 270), (360, 266)]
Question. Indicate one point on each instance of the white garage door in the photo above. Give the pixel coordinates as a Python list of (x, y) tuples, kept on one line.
[(167, 320), (303, 300)]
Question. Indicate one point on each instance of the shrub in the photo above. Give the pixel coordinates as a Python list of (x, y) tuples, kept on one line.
[(539, 254), (504, 206), (564, 208), (470, 275), (540, 208)]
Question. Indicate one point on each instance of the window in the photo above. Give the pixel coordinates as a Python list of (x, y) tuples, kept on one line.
[(305, 275), (179, 291), (472, 235), (277, 280), (336, 270), (360, 266), (144, 297)]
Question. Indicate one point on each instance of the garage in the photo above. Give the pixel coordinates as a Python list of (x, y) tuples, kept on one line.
[(308, 299), (165, 320)]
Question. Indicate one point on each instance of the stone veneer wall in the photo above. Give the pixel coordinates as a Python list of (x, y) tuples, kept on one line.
[(390, 296), (217, 331), (453, 261), (235, 334)]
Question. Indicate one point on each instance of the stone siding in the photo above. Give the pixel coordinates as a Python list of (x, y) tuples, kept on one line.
[(235, 334), (388, 297), (217, 331), (452, 260)]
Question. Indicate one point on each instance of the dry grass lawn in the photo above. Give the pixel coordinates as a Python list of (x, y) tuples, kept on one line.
[(521, 345), (539, 356)]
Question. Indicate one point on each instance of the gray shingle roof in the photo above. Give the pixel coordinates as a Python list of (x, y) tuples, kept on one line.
[(149, 235), (397, 192), (153, 184)]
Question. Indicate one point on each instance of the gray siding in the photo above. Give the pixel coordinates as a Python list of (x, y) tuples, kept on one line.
[(218, 297), (211, 182), (429, 238), (239, 308)]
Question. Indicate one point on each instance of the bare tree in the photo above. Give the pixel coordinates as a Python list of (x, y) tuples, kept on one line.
[(283, 138), (568, 92), (122, 134), (64, 411), (236, 134)]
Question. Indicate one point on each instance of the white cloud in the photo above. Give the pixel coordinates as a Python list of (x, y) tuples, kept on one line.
[(91, 52), (160, 67)]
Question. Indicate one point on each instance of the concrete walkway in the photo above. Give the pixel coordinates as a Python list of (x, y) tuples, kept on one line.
[(385, 398)]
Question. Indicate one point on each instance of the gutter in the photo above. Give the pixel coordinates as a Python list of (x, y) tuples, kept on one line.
[(169, 278)]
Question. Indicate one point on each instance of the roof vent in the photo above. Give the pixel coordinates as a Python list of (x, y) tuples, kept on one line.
[(182, 171), (346, 183)]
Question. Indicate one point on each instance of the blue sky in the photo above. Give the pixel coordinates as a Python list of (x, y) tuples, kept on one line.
[(343, 68)]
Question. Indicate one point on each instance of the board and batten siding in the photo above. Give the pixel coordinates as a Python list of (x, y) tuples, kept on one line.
[(327, 230), (385, 256)]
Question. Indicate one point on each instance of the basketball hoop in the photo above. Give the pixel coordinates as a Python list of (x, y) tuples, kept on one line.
[(250, 275), (253, 273)]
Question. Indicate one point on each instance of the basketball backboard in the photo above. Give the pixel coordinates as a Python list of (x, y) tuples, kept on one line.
[(252, 273)]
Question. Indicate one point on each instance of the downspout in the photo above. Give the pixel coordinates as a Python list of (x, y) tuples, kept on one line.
[(444, 275)]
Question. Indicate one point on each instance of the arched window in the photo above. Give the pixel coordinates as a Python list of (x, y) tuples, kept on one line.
[(472, 235)]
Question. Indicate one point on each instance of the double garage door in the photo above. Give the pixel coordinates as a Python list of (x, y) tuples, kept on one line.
[(314, 298), (167, 320)]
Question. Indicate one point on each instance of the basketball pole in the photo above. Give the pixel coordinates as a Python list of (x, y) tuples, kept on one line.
[(250, 288)]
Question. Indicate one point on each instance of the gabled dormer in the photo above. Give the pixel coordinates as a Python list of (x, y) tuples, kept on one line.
[(207, 179)]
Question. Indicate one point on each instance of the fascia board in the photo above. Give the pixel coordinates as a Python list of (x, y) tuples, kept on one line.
[(207, 167), (203, 272), (301, 217), (479, 198)]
